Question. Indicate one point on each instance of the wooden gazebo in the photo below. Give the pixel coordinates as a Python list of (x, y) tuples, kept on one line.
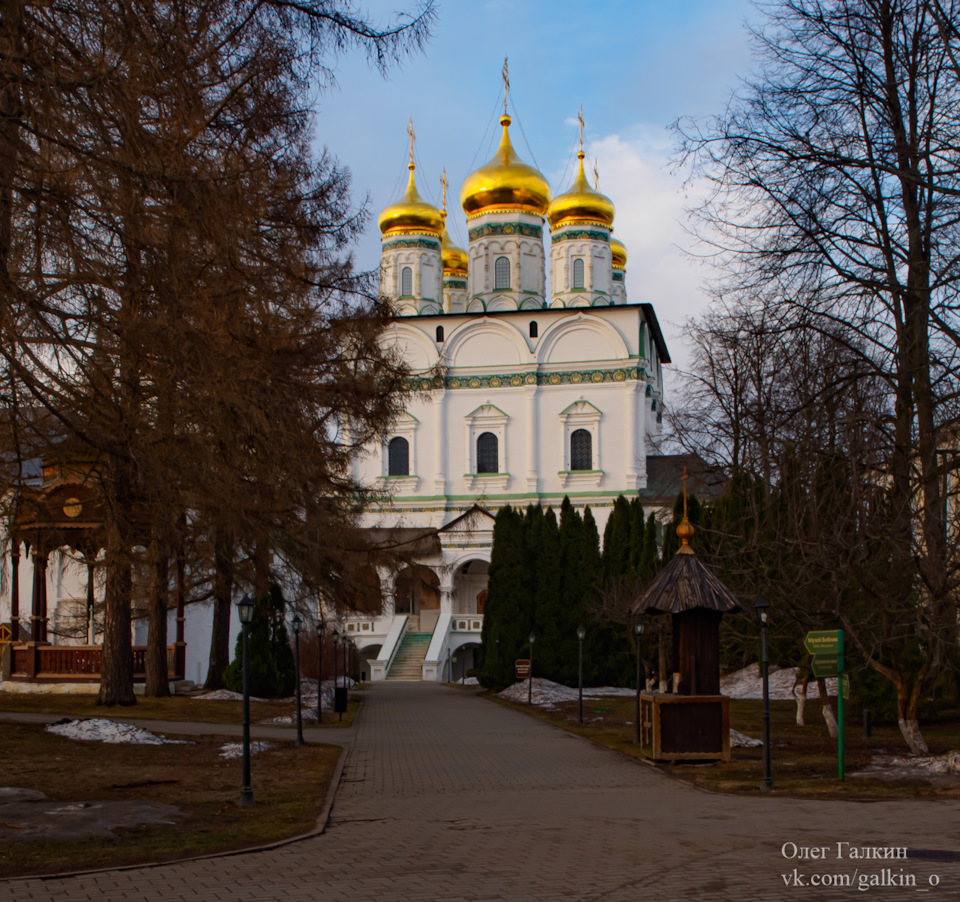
[(694, 721)]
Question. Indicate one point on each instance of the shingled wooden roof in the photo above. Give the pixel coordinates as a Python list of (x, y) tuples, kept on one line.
[(686, 584)]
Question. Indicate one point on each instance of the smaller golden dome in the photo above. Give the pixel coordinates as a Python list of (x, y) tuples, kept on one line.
[(619, 252), (506, 183), (685, 532), (581, 202), (411, 213), (454, 258)]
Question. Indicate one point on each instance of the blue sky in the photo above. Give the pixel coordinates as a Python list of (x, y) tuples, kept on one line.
[(635, 67)]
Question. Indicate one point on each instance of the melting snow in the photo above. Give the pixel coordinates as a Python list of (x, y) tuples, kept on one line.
[(99, 729), (235, 749), (903, 766), (746, 683)]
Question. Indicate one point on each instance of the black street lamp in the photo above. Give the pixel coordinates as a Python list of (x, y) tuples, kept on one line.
[(346, 659), (637, 634), (336, 641), (766, 784), (533, 639), (296, 643), (320, 628), (245, 608), (581, 635)]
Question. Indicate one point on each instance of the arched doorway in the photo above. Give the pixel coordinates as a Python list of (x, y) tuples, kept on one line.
[(417, 593), (470, 587)]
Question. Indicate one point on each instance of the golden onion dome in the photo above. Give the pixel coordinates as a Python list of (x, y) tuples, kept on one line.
[(619, 252), (505, 183), (581, 202), (411, 213), (454, 258)]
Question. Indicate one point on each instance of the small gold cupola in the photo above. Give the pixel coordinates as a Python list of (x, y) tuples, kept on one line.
[(411, 213), (619, 252), (454, 258), (581, 203)]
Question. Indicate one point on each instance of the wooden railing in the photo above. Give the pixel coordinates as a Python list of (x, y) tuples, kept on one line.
[(77, 663)]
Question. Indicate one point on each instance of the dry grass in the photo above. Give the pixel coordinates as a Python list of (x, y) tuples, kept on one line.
[(289, 785), (176, 708), (803, 759)]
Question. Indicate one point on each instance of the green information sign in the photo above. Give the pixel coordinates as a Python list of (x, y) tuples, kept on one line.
[(825, 665), (823, 642)]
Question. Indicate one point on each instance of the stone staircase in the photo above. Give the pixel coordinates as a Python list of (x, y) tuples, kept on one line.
[(408, 662)]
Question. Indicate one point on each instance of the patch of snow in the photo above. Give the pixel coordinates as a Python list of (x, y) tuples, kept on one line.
[(893, 767), (235, 749), (740, 740), (747, 683), (224, 695), (100, 729), (544, 692)]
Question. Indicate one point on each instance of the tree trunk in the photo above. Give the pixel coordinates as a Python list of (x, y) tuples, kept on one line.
[(116, 671), (222, 603), (826, 703), (158, 674), (801, 698), (907, 704)]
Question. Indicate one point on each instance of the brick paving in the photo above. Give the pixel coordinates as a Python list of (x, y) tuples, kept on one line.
[(446, 796)]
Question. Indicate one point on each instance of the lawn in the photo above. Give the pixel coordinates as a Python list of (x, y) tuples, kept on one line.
[(803, 759), (289, 784)]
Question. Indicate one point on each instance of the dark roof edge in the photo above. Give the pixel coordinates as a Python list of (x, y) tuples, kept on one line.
[(658, 339)]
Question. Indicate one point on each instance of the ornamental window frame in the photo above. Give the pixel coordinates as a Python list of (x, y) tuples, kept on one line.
[(581, 415), (406, 427), (486, 418), (406, 281), (578, 281)]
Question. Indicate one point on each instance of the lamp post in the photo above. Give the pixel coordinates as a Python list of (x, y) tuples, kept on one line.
[(581, 635), (245, 608), (346, 659), (336, 642), (766, 784), (296, 644), (320, 628), (637, 633), (533, 639)]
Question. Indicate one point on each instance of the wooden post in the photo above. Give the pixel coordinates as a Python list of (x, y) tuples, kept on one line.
[(15, 591), (38, 608), (90, 604)]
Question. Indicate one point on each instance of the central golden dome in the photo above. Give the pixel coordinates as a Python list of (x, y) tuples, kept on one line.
[(411, 213), (505, 183), (581, 202)]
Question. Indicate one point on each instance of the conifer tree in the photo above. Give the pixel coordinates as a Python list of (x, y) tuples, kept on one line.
[(616, 540), (637, 533)]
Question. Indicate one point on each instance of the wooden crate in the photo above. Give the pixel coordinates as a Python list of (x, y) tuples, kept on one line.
[(684, 727)]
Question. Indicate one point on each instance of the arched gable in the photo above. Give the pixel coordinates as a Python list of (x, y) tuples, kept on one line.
[(417, 350), (486, 342), (581, 338)]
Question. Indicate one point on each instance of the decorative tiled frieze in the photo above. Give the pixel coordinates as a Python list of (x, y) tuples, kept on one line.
[(506, 228)]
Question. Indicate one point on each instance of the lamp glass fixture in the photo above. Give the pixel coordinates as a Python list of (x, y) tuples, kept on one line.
[(532, 638), (245, 608), (581, 633), (638, 628)]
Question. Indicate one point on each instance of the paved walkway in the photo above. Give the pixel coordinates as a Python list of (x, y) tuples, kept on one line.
[(447, 796)]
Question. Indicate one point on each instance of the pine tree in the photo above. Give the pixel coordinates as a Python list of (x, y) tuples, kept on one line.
[(272, 668), (616, 540), (637, 533), (649, 560)]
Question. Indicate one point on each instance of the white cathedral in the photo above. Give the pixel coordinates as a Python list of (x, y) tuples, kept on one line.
[(521, 396)]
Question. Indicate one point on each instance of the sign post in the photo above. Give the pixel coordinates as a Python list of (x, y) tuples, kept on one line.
[(826, 646)]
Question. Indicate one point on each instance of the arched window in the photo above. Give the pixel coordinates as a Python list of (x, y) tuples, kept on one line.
[(501, 273), (534, 329), (406, 282), (398, 457), (581, 450), (487, 453), (578, 273), (439, 334)]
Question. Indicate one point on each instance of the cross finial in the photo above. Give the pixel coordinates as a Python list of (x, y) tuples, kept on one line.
[(506, 84), (580, 120), (445, 184), (596, 176), (685, 477), (412, 136)]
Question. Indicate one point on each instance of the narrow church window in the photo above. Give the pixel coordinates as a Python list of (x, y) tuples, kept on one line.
[(578, 273), (501, 273), (487, 453), (534, 329), (581, 450), (439, 334), (406, 282), (398, 457)]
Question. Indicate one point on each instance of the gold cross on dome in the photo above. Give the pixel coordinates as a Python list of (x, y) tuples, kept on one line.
[(580, 119), (685, 477), (596, 176), (445, 184), (506, 84), (412, 136)]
